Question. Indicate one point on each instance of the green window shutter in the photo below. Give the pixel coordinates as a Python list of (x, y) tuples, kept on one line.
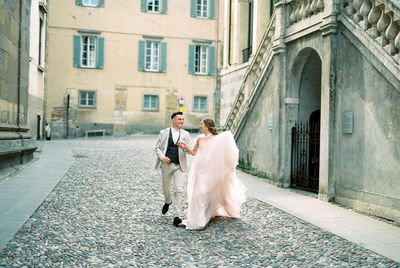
[(211, 12), (191, 59), (146, 100), (100, 3), (141, 54), (164, 7), (100, 53), (77, 51), (195, 103), (193, 8), (211, 60), (154, 102), (78, 2), (163, 65), (143, 5)]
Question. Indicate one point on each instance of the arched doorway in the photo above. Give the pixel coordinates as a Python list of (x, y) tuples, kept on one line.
[(306, 131)]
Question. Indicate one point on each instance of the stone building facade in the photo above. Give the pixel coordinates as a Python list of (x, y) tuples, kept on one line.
[(122, 67), (37, 68), (317, 107), (16, 143)]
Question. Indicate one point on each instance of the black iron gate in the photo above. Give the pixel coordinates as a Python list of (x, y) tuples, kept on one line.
[(305, 155)]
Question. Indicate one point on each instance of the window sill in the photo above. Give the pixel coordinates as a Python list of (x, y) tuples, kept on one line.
[(201, 74), (89, 6), (153, 12), (87, 107), (150, 110), (203, 18), (92, 68), (200, 111), (151, 71)]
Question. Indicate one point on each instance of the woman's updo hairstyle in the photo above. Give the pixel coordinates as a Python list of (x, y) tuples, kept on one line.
[(209, 123)]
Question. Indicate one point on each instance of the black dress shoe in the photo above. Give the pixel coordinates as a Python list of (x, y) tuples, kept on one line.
[(177, 221), (165, 208)]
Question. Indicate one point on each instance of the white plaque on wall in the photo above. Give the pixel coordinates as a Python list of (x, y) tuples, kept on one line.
[(347, 122)]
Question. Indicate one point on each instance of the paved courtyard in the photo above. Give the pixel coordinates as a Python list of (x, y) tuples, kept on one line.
[(106, 212)]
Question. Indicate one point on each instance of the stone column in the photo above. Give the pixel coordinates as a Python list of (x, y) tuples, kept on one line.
[(328, 99), (279, 49), (226, 34)]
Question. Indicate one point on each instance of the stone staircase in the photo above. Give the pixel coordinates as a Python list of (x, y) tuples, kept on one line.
[(375, 23), (252, 78)]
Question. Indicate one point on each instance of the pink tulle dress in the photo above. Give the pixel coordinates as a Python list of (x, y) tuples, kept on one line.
[(213, 188)]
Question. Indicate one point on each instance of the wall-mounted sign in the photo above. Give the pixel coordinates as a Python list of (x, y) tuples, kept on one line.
[(347, 122), (270, 121), (181, 101)]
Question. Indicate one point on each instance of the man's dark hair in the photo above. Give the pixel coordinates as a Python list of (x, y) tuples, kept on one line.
[(175, 114)]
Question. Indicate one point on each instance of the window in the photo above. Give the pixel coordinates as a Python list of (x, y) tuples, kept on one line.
[(200, 104), (154, 6), (248, 50), (150, 102), (87, 98), (91, 3), (41, 41), (202, 9), (152, 56), (88, 51), (271, 7), (201, 59)]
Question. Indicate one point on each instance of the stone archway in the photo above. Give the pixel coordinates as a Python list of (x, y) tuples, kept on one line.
[(303, 104)]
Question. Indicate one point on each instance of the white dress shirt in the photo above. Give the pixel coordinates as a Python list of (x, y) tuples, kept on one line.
[(175, 134)]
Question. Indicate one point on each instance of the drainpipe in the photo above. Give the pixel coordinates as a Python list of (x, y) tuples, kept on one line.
[(217, 95), (230, 32), (67, 116), (19, 67)]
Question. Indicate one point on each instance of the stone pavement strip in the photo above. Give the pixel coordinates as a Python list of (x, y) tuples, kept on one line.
[(25, 191), (106, 212)]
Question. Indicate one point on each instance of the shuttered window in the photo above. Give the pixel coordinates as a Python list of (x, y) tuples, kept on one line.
[(201, 59), (202, 9), (154, 6), (88, 51), (152, 56)]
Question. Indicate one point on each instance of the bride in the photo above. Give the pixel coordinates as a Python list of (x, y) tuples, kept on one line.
[(213, 188)]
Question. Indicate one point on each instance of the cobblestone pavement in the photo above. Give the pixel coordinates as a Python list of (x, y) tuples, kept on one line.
[(106, 212)]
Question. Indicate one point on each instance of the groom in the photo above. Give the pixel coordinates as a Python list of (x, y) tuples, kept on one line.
[(172, 161)]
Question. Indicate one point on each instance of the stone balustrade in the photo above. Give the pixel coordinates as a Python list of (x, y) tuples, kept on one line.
[(302, 9), (251, 79), (381, 20)]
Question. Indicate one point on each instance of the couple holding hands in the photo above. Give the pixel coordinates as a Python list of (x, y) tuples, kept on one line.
[(213, 188)]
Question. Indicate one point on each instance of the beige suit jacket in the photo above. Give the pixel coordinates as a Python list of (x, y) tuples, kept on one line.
[(162, 144)]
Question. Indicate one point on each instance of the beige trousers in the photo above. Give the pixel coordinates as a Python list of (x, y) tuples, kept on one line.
[(173, 172)]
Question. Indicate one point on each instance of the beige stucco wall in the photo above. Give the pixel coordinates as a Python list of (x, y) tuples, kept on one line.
[(122, 27)]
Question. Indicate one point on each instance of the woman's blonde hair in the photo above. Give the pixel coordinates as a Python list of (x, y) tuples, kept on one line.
[(209, 123)]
